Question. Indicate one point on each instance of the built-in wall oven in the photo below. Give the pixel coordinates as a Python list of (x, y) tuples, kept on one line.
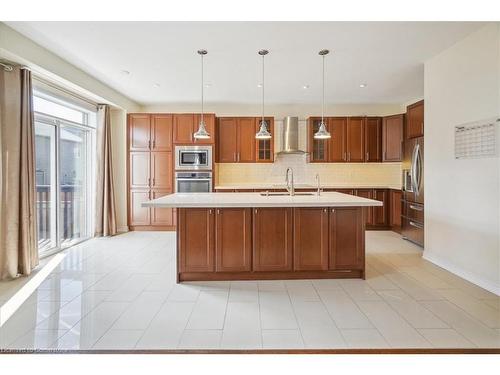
[(193, 158), (193, 182)]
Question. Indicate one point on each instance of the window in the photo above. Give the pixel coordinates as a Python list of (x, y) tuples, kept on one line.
[(64, 140)]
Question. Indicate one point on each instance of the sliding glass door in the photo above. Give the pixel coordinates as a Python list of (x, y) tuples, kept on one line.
[(46, 187), (64, 176)]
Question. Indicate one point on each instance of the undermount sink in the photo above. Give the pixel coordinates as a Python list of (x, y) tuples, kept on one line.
[(275, 194)]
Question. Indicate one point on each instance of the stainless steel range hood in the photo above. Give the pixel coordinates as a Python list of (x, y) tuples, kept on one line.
[(290, 140)]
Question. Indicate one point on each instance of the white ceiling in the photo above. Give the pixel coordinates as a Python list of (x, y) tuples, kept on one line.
[(387, 56)]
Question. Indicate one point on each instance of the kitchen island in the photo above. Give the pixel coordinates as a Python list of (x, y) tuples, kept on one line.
[(263, 236)]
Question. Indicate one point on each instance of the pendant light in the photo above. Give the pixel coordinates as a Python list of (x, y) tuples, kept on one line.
[(263, 133), (202, 130), (322, 133)]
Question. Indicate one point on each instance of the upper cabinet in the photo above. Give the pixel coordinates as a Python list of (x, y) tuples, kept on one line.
[(186, 124), (161, 132), (355, 137), (337, 126), (415, 120), (392, 137), (139, 132), (236, 141), (264, 148), (373, 139)]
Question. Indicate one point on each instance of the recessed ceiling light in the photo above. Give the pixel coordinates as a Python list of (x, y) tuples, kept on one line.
[(305, 87), (259, 85), (156, 85), (363, 85), (125, 72), (208, 85)]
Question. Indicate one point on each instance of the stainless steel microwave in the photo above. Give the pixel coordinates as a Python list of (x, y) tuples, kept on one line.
[(193, 158)]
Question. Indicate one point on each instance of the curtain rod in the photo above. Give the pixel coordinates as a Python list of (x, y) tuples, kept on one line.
[(6, 67), (64, 90)]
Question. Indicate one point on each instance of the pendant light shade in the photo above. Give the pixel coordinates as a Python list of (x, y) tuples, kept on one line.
[(322, 133), (202, 133), (263, 133)]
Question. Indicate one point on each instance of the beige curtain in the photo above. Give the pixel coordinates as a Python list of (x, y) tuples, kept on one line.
[(105, 221), (18, 236)]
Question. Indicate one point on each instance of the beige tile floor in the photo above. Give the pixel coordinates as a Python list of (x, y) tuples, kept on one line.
[(120, 293)]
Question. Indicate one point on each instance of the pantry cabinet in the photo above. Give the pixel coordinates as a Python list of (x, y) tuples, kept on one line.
[(149, 170)]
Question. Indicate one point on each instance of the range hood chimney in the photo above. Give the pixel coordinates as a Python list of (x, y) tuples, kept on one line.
[(290, 140)]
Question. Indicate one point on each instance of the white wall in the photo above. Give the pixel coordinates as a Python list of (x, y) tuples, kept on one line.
[(462, 197)]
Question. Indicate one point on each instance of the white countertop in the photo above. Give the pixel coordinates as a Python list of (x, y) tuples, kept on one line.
[(301, 186), (193, 200)]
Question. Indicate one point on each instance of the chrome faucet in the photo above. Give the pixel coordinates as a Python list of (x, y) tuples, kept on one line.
[(289, 182), (318, 192)]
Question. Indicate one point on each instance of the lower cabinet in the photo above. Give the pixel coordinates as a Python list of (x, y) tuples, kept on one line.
[(310, 239), (233, 239), (195, 236), (347, 245), (367, 193), (395, 209), (144, 218), (380, 217), (272, 239)]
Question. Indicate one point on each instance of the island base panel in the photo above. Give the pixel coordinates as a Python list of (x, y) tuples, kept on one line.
[(228, 276)]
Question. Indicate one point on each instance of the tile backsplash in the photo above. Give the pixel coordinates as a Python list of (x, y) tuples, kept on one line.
[(335, 174)]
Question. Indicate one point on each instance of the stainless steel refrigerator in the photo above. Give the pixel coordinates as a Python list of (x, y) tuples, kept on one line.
[(413, 191)]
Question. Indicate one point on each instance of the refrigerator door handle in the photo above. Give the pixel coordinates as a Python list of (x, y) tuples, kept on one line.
[(418, 169)]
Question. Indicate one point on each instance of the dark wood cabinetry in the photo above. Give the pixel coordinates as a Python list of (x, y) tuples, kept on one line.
[(367, 193), (376, 217), (195, 236), (233, 239), (310, 239), (373, 139), (346, 239), (272, 239), (227, 139), (236, 141), (355, 136), (415, 120), (395, 197), (264, 152), (380, 217), (150, 173), (392, 138), (356, 139), (186, 124), (270, 243)]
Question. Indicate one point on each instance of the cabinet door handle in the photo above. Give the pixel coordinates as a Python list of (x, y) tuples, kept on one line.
[(333, 209), (349, 156), (367, 156), (325, 210), (154, 181), (154, 143), (149, 145), (255, 211), (218, 212), (234, 156), (210, 211), (345, 156), (416, 208), (149, 181)]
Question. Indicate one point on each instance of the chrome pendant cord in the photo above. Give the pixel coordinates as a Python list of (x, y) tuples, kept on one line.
[(323, 99), (202, 86), (263, 55)]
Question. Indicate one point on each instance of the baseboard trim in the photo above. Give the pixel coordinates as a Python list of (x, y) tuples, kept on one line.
[(122, 229), (469, 276)]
